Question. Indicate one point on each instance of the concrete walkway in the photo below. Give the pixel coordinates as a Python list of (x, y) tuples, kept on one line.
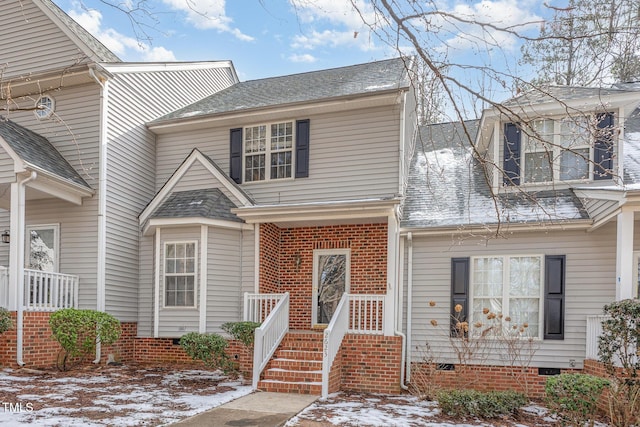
[(256, 409)]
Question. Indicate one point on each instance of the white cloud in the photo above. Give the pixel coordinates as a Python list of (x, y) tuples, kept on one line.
[(303, 58), (116, 42), (208, 14)]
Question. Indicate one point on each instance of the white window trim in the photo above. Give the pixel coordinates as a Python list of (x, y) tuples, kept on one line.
[(267, 153), (556, 150), (163, 272), (44, 113), (56, 243), (505, 289), (347, 285)]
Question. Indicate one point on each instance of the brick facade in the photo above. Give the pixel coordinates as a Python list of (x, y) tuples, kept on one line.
[(280, 250), (371, 363)]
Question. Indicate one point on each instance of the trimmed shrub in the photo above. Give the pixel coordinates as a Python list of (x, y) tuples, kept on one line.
[(208, 348), (486, 405), (242, 331), (78, 332), (574, 397), (5, 320)]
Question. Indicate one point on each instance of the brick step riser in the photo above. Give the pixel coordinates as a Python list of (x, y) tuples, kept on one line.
[(295, 365), (299, 355), (290, 388), (292, 376), (317, 348)]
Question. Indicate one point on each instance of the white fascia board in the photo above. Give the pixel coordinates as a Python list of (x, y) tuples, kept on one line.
[(145, 67), (274, 112), (318, 211), (168, 187), (503, 229), (155, 223)]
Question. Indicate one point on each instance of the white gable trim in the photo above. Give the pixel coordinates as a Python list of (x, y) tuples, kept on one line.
[(157, 223), (167, 188)]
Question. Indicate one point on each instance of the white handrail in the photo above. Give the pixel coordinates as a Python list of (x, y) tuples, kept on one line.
[(366, 314), (258, 306), (332, 341), (48, 291), (269, 335)]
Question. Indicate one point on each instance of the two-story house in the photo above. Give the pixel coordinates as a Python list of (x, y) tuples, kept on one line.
[(535, 222)]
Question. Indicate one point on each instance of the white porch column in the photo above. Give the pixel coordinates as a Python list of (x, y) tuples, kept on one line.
[(624, 255), (392, 275), (16, 258)]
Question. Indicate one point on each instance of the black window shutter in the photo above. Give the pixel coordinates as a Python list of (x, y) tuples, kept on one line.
[(459, 292), (603, 147), (302, 148), (554, 297), (511, 164), (235, 157)]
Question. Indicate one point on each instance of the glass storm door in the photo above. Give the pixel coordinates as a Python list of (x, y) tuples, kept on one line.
[(330, 282)]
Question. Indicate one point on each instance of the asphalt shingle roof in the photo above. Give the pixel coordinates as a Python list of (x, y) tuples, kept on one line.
[(204, 203), (103, 54), (447, 187), (36, 150), (372, 77)]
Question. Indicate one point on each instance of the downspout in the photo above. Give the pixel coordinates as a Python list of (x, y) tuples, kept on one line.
[(20, 238), (398, 328), (409, 300), (102, 199)]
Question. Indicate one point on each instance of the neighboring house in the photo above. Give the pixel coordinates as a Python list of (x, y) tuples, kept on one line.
[(177, 198)]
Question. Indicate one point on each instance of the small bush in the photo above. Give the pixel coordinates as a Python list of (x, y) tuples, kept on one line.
[(242, 331), (78, 332), (472, 403), (5, 320), (209, 348), (574, 397)]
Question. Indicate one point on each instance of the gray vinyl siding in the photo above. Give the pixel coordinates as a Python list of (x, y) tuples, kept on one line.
[(409, 134), (590, 283), (146, 286), (32, 43), (176, 321), (198, 177), (349, 157), (7, 173), (224, 287), (134, 99), (248, 263), (598, 209)]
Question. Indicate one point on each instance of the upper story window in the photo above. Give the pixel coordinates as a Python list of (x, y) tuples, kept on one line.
[(45, 105), (559, 150), (270, 151)]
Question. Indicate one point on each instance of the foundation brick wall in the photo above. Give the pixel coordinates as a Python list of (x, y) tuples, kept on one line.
[(39, 349), (371, 363), (368, 245)]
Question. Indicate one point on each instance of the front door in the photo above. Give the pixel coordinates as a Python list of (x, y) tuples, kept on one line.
[(331, 269)]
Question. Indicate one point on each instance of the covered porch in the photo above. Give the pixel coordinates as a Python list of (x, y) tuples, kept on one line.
[(325, 272)]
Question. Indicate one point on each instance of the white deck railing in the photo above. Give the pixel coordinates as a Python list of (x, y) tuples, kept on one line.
[(4, 287), (257, 307), (594, 330), (269, 335), (47, 291), (366, 314), (332, 341)]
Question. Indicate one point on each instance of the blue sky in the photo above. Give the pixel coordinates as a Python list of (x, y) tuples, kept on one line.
[(265, 38)]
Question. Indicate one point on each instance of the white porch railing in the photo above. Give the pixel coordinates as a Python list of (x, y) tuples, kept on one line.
[(257, 307), (366, 314), (4, 287), (332, 341), (269, 335), (47, 291)]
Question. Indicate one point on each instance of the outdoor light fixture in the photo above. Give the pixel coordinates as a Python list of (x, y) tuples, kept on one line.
[(298, 261), (6, 237)]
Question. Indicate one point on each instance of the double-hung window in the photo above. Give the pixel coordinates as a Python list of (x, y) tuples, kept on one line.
[(180, 274), (268, 152), (511, 286), (558, 150)]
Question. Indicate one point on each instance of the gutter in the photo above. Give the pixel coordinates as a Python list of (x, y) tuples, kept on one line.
[(20, 240), (102, 198), (398, 320), (580, 224), (409, 301)]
